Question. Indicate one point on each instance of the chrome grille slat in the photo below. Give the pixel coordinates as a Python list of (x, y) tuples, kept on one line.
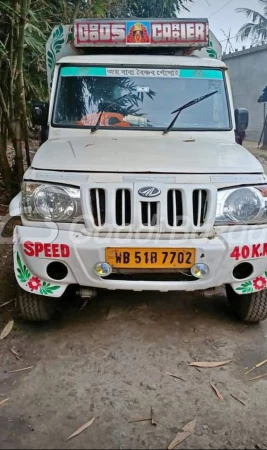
[(199, 207), (199, 200), (174, 208), (98, 206), (149, 214), (123, 207)]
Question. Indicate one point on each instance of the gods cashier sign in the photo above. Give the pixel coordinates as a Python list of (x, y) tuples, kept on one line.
[(183, 33)]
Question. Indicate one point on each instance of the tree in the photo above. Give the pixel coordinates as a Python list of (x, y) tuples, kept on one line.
[(25, 27), (148, 8), (257, 28)]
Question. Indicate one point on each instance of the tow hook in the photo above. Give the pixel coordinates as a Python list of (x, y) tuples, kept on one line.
[(86, 292), (212, 292)]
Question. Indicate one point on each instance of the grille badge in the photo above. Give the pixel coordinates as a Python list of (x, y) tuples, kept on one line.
[(149, 192)]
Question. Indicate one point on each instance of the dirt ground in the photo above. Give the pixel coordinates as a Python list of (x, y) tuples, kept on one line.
[(110, 360)]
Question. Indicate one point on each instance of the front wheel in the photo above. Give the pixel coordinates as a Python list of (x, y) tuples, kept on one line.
[(249, 307), (36, 308)]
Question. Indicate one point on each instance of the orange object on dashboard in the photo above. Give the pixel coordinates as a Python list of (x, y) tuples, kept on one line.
[(108, 119)]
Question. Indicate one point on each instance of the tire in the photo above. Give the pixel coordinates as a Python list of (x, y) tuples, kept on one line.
[(35, 308), (249, 307)]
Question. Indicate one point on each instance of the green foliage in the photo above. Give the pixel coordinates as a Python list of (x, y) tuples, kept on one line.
[(25, 28), (257, 28), (148, 8)]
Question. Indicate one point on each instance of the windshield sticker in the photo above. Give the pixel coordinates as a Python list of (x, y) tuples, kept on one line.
[(151, 73), (82, 71), (143, 89), (207, 74)]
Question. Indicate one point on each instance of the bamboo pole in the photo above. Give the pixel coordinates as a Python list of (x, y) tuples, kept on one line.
[(19, 90)]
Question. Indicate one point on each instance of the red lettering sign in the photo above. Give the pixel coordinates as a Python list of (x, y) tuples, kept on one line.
[(100, 33), (46, 250), (246, 252), (178, 33), (183, 33)]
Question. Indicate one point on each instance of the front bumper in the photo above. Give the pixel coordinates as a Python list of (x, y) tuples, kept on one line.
[(80, 253)]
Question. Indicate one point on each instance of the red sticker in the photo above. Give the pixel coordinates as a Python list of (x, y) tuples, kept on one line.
[(249, 252), (46, 250)]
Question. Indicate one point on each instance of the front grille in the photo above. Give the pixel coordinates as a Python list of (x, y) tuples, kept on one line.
[(179, 208), (150, 213), (200, 204), (98, 206), (123, 207)]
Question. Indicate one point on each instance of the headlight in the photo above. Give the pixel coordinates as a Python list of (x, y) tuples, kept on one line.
[(245, 205), (50, 202)]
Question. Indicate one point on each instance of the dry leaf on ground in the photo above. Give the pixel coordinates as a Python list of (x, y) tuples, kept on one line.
[(174, 376), (7, 303), (148, 419), (15, 354), (7, 330), (153, 422), (257, 366), (217, 392), (84, 304), (182, 435), (261, 364), (209, 365), (237, 399), (81, 429), (258, 377), (4, 401), (21, 370)]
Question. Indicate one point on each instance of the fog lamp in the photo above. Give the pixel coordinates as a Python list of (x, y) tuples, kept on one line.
[(102, 269), (200, 270)]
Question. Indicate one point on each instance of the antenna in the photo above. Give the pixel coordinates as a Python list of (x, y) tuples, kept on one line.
[(228, 40)]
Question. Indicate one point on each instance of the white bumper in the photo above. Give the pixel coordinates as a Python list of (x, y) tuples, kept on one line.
[(84, 252)]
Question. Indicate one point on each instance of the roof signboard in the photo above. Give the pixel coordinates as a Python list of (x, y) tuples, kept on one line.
[(149, 32)]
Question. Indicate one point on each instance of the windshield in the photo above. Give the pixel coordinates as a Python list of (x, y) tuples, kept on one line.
[(140, 98)]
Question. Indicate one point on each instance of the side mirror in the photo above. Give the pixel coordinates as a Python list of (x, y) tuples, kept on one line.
[(40, 113), (241, 119)]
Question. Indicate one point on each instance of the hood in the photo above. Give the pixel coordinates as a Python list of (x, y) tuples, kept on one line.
[(144, 152)]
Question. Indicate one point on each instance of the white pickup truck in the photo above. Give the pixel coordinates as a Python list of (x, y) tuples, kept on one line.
[(139, 183)]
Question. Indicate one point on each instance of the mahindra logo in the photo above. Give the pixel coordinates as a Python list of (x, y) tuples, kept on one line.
[(149, 192)]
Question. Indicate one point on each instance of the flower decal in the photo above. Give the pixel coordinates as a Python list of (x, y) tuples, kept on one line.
[(34, 283), (250, 286), (259, 283), (246, 288)]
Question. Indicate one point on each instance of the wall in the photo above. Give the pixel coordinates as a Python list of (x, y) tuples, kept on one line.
[(248, 73)]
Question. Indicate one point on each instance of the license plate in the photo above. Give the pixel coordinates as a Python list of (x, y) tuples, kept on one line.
[(151, 258)]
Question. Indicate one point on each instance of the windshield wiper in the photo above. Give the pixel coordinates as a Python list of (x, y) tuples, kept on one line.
[(187, 105), (97, 125)]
